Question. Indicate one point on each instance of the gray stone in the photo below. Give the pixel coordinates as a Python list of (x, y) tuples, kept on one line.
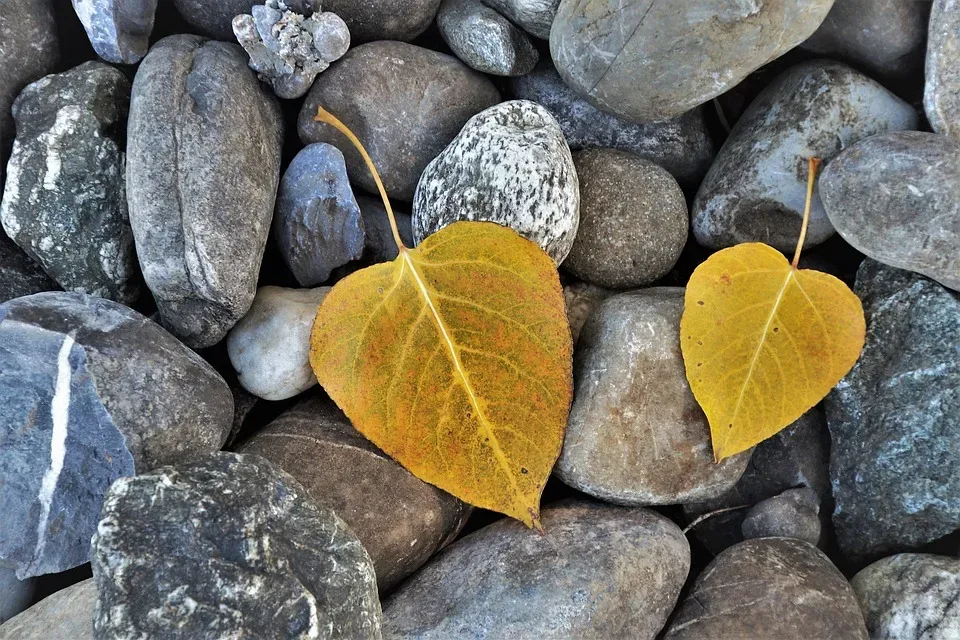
[(580, 300), (534, 16), (911, 596), (895, 419), (215, 18), (941, 98), (417, 105), (510, 165), (649, 60), (484, 39), (633, 220), (68, 613), (19, 275), (896, 198), (636, 435), (203, 164), (371, 20), (792, 514), (227, 546), (400, 520), (119, 30), (769, 588), (64, 201), (270, 346), (681, 145), (598, 572), (756, 189), (15, 595), (379, 244), (317, 222)]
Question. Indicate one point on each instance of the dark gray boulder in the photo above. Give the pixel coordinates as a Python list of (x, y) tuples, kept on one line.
[(68, 613), (119, 30), (215, 18), (484, 40), (379, 243), (371, 20), (19, 275), (792, 514)]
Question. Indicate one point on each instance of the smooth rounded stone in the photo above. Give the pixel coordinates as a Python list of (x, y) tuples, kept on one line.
[(228, 546), (681, 145), (633, 220), (510, 165), (400, 520), (885, 37), (910, 596), (68, 613), (270, 346), (19, 275), (317, 222), (379, 243), (792, 514), (941, 98), (371, 20), (646, 61), (419, 102), (636, 435), (769, 588), (580, 300), (15, 595), (214, 18), (119, 30), (484, 40), (533, 16), (65, 203), (203, 164), (598, 572), (756, 189), (895, 418), (896, 198)]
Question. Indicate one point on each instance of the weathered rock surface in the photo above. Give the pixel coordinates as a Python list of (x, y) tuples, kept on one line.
[(941, 98), (371, 20), (19, 275), (484, 40), (202, 170), (15, 595), (119, 30), (68, 613), (598, 572), (510, 165), (534, 16), (379, 243), (215, 18), (792, 514), (228, 546), (580, 300)]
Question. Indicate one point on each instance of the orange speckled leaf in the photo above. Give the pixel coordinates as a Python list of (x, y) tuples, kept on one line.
[(455, 359)]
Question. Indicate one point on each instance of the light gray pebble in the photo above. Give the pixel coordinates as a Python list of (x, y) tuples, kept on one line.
[(484, 40), (533, 16)]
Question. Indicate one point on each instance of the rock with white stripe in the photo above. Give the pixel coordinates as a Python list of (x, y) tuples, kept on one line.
[(119, 30)]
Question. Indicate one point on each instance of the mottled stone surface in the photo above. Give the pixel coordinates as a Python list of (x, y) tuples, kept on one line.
[(228, 546), (941, 98), (681, 145), (636, 435), (215, 18), (633, 220), (598, 572), (270, 346), (15, 595), (769, 588), (580, 300), (756, 189), (792, 514), (647, 60), (419, 102), (202, 170), (372, 20), (911, 596), (19, 275), (379, 243), (68, 613), (895, 419), (896, 198), (64, 202), (534, 16), (119, 30), (400, 520), (484, 40), (510, 165)]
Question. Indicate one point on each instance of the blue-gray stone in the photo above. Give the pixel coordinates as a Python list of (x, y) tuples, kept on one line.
[(119, 30)]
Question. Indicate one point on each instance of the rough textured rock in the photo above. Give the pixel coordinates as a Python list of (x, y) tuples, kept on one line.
[(510, 165), (400, 520), (636, 435), (580, 300), (598, 572), (534, 16), (941, 98), (19, 275), (896, 198), (379, 244), (371, 20), (202, 171), (68, 613), (215, 18), (681, 145), (119, 30), (484, 40), (417, 105), (651, 60), (911, 596), (792, 514), (756, 188), (270, 346), (895, 419), (228, 546), (64, 201), (15, 595), (633, 220), (769, 588)]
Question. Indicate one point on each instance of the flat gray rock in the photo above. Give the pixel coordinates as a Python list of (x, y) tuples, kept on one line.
[(534, 16), (647, 60), (484, 40), (215, 18), (371, 20), (203, 165), (896, 198), (65, 203), (792, 514), (15, 595), (119, 30), (228, 546), (895, 419), (510, 165), (597, 572), (68, 613), (756, 189), (941, 98), (20, 275)]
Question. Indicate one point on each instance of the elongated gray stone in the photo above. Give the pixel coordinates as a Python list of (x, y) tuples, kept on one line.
[(484, 39), (372, 20), (534, 16), (119, 30), (941, 98)]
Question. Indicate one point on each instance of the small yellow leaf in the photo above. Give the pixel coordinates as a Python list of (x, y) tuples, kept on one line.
[(455, 359), (763, 342)]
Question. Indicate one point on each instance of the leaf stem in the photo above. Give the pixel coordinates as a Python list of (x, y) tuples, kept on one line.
[(812, 166), (328, 118)]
